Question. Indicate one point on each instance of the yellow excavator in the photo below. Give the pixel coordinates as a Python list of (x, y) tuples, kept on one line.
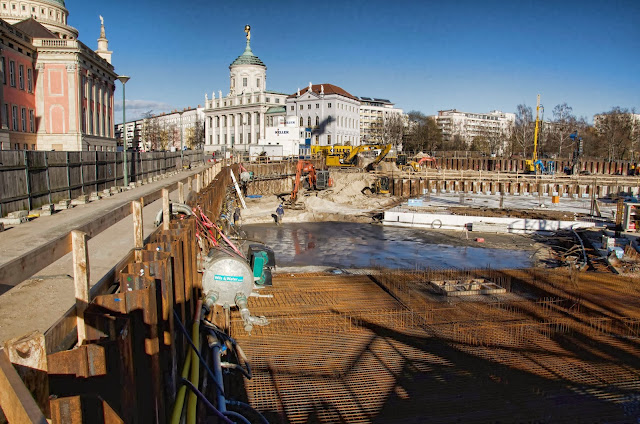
[(530, 165), (351, 159)]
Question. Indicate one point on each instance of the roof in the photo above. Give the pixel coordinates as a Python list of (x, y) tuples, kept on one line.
[(375, 100), (248, 58), (276, 109), (56, 2), (34, 29), (328, 89)]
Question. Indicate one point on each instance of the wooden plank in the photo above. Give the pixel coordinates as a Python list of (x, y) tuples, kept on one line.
[(80, 280), (181, 192), (138, 237), (28, 354), (83, 409), (15, 400), (166, 209)]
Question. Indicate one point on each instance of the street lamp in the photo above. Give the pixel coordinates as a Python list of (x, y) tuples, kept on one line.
[(181, 142), (123, 79)]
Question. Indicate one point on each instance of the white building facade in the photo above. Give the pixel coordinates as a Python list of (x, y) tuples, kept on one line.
[(373, 114), (237, 120), (495, 124), (332, 114)]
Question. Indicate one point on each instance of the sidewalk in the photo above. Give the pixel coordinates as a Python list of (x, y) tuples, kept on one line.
[(37, 303)]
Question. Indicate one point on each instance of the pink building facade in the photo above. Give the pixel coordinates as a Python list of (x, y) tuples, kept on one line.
[(63, 89)]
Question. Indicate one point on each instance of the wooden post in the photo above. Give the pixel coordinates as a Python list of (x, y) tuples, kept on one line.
[(198, 182), (189, 185), (166, 211), (80, 279), (138, 234), (180, 192)]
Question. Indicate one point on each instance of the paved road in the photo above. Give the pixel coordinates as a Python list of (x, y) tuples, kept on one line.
[(37, 303)]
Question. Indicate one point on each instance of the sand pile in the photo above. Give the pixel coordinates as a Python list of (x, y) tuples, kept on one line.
[(342, 202)]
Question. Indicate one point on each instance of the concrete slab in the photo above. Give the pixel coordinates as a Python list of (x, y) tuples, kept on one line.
[(13, 221), (17, 214)]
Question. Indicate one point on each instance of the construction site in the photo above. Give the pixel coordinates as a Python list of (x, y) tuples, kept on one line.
[(333, 289)]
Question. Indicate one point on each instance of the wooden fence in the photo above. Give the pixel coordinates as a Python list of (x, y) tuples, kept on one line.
[(31, 179)]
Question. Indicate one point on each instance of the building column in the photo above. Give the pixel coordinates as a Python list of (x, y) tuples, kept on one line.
[(261, 115), (228, 130), (252, 118)]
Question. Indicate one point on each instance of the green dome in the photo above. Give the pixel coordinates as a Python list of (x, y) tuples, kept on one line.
[(56, 2), (248, 58)]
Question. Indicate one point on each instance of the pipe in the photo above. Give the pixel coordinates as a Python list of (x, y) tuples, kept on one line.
[(175, 207), (192, 401), (203, 398), (217, 370), (179, 404), (186, 334), (237, 416), (250, 408)]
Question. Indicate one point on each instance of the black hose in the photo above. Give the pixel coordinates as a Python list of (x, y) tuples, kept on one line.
[(202, 361), (249, 408), (236, 415), (204, 400)]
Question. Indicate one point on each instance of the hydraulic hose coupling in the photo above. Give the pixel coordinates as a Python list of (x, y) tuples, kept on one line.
[(211, 298), (241, 302)]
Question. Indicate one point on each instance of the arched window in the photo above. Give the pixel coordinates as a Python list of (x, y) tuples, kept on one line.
[(317, 121), (309, 122), (301, 121)]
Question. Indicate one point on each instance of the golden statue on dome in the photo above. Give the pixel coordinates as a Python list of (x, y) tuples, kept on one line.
[(247, 29)]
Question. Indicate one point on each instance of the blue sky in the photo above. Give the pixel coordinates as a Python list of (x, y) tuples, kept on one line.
[(474, 56)]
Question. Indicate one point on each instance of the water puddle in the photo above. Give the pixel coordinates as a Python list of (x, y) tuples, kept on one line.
[(350, 245)]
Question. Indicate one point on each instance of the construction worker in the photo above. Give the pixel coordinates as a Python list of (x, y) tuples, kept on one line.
[(236, 216), (279, 214)]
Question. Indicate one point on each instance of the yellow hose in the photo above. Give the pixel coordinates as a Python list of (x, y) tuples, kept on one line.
[(177, 407), (192, 400)]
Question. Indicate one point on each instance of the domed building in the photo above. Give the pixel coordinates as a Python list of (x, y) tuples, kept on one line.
[(57, 93), (52, 14), (237, 120)]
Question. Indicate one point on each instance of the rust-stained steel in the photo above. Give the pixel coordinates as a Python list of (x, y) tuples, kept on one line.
[(388, 348)]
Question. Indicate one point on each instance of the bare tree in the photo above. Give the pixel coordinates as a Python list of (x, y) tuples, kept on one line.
[(617, 130), (150, 131), (393, 129), (423, 133), (564, 123), (522, 134)]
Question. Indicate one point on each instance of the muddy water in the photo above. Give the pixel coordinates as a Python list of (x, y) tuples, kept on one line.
[(349, 245)]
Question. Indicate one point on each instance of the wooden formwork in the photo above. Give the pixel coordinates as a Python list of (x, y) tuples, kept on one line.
[(123, 367)]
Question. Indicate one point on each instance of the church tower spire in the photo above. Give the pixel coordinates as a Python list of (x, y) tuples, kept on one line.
[(103, 43)]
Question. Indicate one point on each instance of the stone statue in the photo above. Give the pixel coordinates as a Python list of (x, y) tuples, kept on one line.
[(101, 20), (206, 98), (247, 29), (310, 90), (298, 92), (321, 89), (220, 93)]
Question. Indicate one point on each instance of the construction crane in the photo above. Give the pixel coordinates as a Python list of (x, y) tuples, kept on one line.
[(534, 163)]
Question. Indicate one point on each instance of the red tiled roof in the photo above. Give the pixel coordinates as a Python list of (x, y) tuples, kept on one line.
[(328, 89)]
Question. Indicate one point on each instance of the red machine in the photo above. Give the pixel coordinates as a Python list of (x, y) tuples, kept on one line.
[(305, 169)]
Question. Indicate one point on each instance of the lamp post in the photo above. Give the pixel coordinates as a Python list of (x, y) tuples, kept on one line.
[(123, 79), (181, 142)]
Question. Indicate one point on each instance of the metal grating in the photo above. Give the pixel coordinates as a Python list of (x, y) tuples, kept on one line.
[(386, 348)]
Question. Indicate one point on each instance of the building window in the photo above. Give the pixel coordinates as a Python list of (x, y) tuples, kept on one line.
[(244, 82), (329, 105), (258, 83), (23, 114), (30, 80), (317, 105), (14, 117), (21, 76), (4, 71), (84, 119), (317, 139), (12, 73), (301, 121), (268, 99), (317, 121), (277, 100), (309, 106), (301, 107), (289, 109), (328, 138), (33, 147), (218, 122), (309, 122)]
